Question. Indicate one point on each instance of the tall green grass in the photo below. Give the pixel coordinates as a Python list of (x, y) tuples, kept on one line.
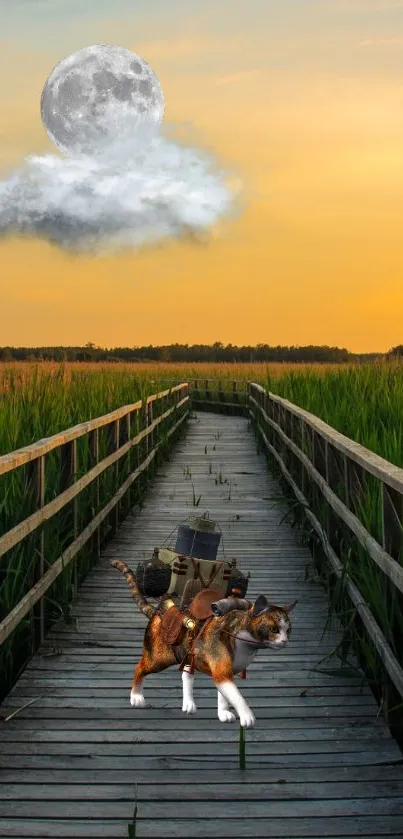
[(366, 404), (36, 403)]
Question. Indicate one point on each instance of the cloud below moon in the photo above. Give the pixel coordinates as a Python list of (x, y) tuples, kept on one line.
[(128, 195)]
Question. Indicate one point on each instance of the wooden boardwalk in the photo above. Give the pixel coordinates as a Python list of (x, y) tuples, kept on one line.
[(319, 761)]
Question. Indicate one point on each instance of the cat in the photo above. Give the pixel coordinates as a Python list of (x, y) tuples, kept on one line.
[(224, 648)]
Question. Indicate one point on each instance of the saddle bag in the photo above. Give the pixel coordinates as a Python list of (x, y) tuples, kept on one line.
[(184, 568)]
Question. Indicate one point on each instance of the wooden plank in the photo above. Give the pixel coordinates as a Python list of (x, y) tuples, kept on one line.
[(266, 828), (206, 810), (374, 749), (86, 790), (336, 778), (195, 733)]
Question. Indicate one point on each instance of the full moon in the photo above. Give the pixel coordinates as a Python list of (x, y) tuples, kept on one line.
[(98, 94)]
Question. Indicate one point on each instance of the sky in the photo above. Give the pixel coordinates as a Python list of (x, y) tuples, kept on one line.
[(303, 101)]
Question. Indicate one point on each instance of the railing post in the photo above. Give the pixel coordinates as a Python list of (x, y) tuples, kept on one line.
[(392, 521), (94, 454), (36, 475), (115, 446), (126, 436), (303, 449), (68, 474), (151, 414)]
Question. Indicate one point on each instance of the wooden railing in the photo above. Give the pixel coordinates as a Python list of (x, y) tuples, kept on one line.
[(134, 431), (222, 395), (210, 393), (311, 453)]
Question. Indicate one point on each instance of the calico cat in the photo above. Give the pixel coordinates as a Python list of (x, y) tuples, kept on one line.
[(225, 647)]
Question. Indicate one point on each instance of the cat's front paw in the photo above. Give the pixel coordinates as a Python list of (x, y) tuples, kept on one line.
[(137, 700), (226, 716), (189, 707), (247, 718)]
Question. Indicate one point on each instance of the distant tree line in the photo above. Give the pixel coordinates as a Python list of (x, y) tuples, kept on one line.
[(176, 353)]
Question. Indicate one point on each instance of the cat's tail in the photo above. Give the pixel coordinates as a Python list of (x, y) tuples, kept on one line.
[(140, 601)]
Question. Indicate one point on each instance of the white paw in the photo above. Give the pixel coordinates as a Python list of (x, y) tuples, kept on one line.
[(137, 700), (226, 716), (247, 718), (189, 707)]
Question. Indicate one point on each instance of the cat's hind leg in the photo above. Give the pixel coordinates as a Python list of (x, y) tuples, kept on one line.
[(136, 694), (224, 711), (188, 704)]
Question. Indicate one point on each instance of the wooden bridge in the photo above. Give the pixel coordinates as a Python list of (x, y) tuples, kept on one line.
[(75, 758)]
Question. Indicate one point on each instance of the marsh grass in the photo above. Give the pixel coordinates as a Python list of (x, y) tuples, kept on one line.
[(36, 403)]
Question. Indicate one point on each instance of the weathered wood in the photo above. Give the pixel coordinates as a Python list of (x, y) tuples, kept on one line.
[(386, 655), (388, 565), (182, 789), (94, 453), (337, 778), (36, 474), (37, 591), (22, 530), (213, 810), (261, 828)]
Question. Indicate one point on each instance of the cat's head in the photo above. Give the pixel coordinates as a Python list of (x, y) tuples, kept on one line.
[(269, 624)]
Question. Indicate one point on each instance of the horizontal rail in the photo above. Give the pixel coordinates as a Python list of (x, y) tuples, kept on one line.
[(215, 403), (373, 463), (20, 457), (45, 512), (22, 530), (386, 655), (36, 592), (388, 565), (384, 471)]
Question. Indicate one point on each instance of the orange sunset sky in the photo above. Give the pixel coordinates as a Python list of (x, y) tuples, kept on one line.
[(304, 100)]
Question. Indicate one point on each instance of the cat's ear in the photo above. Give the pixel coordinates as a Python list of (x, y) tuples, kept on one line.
[(292, 606), (260, 605)]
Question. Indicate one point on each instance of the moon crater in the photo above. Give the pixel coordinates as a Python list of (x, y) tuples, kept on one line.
[(97, 94)]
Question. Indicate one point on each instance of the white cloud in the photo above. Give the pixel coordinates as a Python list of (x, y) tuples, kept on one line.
[(129, 195)]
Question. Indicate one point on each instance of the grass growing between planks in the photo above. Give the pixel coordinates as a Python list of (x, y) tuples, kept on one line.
[(242, 748), (36, 403)]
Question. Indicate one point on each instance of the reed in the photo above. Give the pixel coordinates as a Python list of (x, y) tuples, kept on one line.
[(242, 748)]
